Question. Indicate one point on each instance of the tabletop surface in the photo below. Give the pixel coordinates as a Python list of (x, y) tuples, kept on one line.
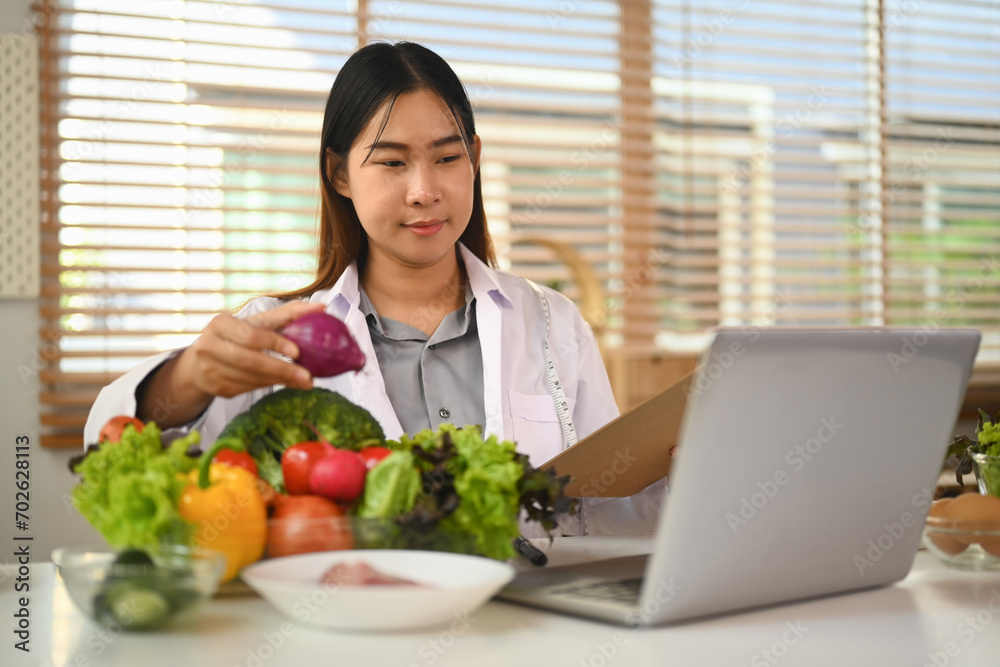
[(936, 616)]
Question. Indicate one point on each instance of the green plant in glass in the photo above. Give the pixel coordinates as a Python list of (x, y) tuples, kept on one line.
[(983, 453)]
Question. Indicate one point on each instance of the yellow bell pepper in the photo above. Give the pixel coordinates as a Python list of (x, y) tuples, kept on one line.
[(225, 503)]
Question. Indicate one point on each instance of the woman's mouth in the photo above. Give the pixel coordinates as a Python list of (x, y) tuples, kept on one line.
[(425, 227)]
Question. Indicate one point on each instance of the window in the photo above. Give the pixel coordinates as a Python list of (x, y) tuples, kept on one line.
[(715, 162)]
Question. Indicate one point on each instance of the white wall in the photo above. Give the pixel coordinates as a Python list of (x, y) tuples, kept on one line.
[(52, 522)]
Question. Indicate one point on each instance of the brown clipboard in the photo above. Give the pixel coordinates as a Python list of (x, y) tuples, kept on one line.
[(629, 453)]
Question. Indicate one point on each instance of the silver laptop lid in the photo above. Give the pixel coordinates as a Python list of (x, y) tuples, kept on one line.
[(807, 464)]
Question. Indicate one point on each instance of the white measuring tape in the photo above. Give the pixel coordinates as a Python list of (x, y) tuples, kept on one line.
[(552, 377)]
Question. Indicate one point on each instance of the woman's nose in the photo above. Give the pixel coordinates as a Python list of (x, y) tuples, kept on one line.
[(425, 189)]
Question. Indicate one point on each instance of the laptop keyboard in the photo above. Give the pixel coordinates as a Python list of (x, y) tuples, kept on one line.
[(620, 590)]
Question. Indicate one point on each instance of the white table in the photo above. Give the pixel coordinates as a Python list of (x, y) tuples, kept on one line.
[(917, 622)]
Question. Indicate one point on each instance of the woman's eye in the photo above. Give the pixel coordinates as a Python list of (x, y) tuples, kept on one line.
[(450, 158), (393, 163)]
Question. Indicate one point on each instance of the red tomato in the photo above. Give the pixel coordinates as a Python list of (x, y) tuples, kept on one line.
[(112, 431), (303, 524), (237, 460), (297, 462), (373, 455), (339, 476)]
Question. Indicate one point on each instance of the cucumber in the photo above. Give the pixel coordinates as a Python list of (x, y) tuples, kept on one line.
[(133, 557), (136, 607), (139, 594)]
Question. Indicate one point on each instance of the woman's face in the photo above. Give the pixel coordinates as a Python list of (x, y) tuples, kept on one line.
[(413, 194)]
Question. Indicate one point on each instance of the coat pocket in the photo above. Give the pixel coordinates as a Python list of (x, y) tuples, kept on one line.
[(535, 422)]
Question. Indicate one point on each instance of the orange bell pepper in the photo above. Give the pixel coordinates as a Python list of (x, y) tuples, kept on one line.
[(229, 512)]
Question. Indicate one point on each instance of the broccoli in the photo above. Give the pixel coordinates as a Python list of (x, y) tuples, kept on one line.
[(288, 416)]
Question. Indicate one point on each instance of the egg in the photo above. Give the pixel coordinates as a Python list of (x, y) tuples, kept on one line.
[(976, 512), (991, 545), (944, 543)]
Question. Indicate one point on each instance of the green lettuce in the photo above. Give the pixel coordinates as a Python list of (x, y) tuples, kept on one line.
[(486, 476), (989, 470), (129, 490), (391, 487), (472, 490)]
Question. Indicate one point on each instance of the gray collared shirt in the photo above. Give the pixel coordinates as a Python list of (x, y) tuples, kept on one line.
[(430, 380)]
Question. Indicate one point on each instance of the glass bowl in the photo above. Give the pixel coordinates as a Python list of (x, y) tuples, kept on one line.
[(137, 590), (987, 469), (292, 536), (966, 546)]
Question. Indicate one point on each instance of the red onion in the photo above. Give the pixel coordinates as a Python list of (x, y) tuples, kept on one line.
[(326, 347)]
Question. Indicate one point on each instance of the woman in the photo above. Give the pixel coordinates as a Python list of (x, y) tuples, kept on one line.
[(406, 261)]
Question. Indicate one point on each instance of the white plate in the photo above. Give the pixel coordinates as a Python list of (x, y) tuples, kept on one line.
[(454, 586)]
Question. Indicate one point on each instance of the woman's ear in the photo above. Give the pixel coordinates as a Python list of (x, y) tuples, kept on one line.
[(477, 147), (336, 174)]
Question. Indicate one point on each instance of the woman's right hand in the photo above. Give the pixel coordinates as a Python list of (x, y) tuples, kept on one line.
[(232, 356)]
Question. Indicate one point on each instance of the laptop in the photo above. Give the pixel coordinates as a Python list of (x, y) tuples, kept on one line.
[(808, 461)]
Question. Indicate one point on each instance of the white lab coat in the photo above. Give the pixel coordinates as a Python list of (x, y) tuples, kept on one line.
[(511, 325)]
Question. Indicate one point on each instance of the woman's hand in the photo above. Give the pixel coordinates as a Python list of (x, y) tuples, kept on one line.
[(229, 358)]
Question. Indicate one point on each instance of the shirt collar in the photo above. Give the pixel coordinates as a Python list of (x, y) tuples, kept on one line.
[(368, 310), (482, 281), (343, 294)]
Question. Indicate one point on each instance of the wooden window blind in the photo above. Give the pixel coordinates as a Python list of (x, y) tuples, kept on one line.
[(727, 162), (942, 166)]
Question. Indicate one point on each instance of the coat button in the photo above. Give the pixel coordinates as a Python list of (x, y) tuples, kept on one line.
[(445, 413)]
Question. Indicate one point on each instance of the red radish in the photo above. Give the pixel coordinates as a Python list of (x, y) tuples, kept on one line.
[(339, 476), (298, 461), (374, 455), (326, 347)]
